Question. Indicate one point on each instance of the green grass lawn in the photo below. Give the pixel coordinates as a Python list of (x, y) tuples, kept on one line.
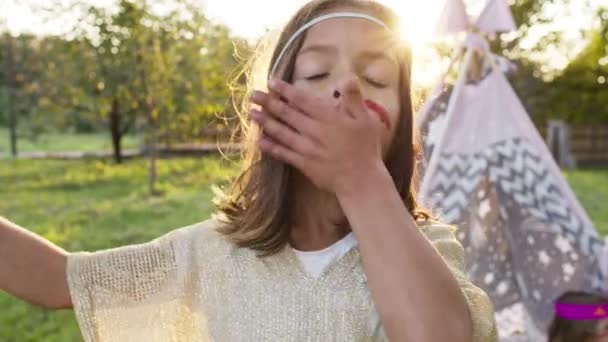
[(591, 188), (61, 142), (93, 204)]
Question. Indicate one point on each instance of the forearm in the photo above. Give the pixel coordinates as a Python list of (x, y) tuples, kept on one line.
[(32, 268), (411, 285)]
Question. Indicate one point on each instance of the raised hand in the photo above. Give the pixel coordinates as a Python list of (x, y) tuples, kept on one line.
[(332, 141)]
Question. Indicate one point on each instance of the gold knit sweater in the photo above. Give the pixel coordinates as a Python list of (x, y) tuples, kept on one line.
[(194, 285)]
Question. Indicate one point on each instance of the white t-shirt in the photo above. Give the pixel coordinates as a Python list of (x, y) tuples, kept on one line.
[(316, 262)]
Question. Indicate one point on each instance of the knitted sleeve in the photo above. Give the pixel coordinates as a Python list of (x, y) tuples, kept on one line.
[(140, 292)]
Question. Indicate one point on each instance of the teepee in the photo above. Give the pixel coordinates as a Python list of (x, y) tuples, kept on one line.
[(488, 171)]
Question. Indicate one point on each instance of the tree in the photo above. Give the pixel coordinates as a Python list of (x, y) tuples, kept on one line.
[(9, 89), (548, 89), (178, 57), (578, 94), (165, 72), (22, 68)]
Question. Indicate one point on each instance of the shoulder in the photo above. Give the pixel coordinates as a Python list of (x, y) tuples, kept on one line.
[(199, 248), (200, 236), (443, 238), (436, 229)]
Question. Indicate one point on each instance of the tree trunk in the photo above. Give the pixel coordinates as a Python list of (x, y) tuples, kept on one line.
[(152, 156), (147, 105), (116, 131), (12, 124), (10, 81)]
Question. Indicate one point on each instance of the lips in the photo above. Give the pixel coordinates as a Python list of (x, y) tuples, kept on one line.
[(378, 109)]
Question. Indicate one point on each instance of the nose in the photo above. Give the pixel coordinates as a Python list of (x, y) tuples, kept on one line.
[(346, 83)]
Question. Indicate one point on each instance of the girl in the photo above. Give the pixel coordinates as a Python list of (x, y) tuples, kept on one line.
[(321, 238), (580, 317)]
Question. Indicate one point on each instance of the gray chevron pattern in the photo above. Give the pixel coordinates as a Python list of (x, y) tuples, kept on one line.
[(524, 241), (517, 169)]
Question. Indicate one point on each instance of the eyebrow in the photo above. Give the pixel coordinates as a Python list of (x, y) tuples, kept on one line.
[(330, 49), (327, 49), (373, 55)]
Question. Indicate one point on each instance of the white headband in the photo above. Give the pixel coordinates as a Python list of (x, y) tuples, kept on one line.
[(318, 20)]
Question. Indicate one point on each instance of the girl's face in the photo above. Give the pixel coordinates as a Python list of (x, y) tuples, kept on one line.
[(340, 49)]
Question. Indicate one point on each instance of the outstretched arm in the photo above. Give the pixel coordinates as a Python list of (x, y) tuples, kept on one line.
[(32, 268)]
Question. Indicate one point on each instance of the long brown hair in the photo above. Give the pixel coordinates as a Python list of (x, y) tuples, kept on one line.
[(566, 330), (256, 209)]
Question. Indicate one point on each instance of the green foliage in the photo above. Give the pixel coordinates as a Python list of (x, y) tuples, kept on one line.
[(580, 93), (170, 69), (22, 84), (576, 94), (92, 205), (530, 14)]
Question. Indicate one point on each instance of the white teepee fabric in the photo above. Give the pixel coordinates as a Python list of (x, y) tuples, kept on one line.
[(453, 18), (489, 172), (496, 17)]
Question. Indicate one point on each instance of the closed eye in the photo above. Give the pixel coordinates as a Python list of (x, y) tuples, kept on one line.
[(317, 77), (375, 83), (369, 80)]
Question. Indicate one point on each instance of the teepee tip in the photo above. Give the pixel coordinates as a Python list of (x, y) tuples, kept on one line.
[(453, 18), (496, 17)]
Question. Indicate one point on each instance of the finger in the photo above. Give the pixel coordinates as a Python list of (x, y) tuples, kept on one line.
[(310, 105), (259, 97), (283, 134), (293, 117), (283, 153), (263, 99), (353, 99)]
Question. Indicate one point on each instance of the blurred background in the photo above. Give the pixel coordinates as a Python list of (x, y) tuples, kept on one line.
[(112, 112)]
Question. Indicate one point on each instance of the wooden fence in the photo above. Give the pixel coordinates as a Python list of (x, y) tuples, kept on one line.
[(589, 145), (578, 145)]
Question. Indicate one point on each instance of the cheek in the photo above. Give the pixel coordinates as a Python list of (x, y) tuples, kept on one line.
[(318, 88), (386, 111), (389, 116), (381, 112), (394, 109)]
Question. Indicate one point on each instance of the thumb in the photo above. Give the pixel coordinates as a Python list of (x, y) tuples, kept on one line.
[(353, 98)]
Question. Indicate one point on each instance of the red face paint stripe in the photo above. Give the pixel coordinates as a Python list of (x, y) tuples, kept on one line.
[(382, 113)]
